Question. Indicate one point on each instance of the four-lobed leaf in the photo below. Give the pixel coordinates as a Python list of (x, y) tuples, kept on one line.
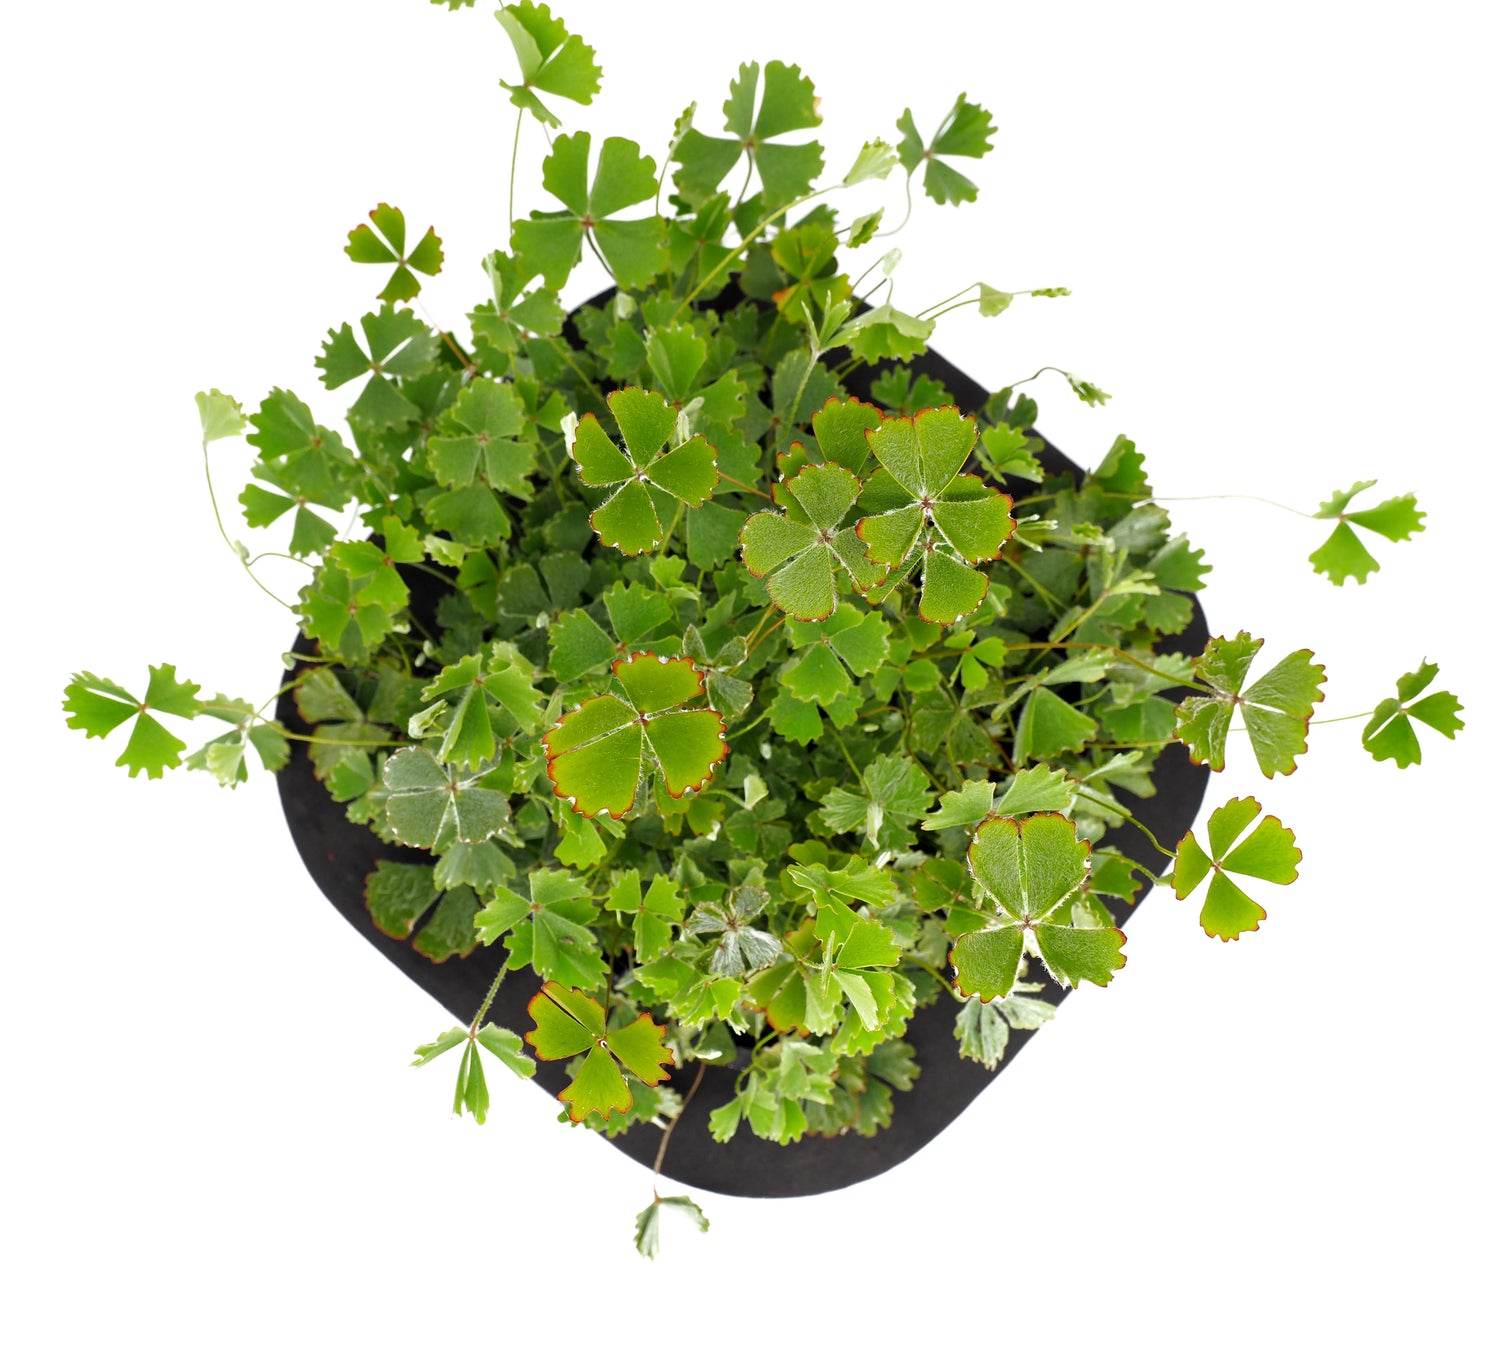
[(98, 706), (598, 754), (1269, 853), (552, 60), (569, 1023), (386, 243), (1344, 555), (925, 511), (1025, 871), (552, 242), (1276, 708), (650, 468), (1389, 737), (964, 133)]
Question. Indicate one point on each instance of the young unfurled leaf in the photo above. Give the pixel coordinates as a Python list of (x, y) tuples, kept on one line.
[(551, 242), (1343, 555), (386, 243), (648, 1222), (965, 132), (1025, 871), (551, 59), (786, 171), (983, 1028), (1269, 853), (740, 948), (398, 344), (472, 1094), (796, 551), (1389, 735), (874, 160), (98, 706), (220, 415), (569, 1023), (1276, 708), (1090, 394), (430, 805), (886, 333), (597, 754), (646, 471), (549, 931), (929, 514)]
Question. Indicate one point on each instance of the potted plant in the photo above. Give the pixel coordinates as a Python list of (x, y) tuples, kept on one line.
[(740, 690)]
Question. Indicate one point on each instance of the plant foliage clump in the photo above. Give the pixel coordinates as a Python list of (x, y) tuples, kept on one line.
[(747, 692)]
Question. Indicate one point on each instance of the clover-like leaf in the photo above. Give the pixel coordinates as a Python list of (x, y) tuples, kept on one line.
[(386, 243), (926, 513), (220, 415), (727, 694), (99, 706), (551, 59), (398, 895), (848, 640), (787, 104), (598, 754), (653, 912), (1276, 708), (551, 242), (886, 333), (397, 344), (740, 947), (549, 931), (1389, 736), (482, 691), (1269, 853), (648, 1222), (580, 645), (307, 463), (1025, 871), (569, 1023), (983, 1029), (964, 133), (225, 757), (893, 793), (1344, 555), (482, 438), (687, 472), (430, 805), (472, 1095), (796, 551)]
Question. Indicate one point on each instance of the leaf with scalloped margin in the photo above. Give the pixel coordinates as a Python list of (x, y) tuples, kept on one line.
[(1269, 853)]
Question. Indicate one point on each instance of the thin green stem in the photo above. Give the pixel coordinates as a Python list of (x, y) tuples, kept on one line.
[(240, 556), (489, 999), (515, 150), (905, 219)]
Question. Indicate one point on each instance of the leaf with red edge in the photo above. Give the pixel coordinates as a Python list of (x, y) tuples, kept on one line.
[(386, 243), (597, 755), (1269, 853)]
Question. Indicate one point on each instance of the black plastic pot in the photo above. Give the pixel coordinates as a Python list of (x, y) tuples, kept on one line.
[(339, 854)]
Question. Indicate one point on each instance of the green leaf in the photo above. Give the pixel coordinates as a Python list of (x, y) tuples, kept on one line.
[(1389, 736), (98, 706), (550, 932), (1048, 727), (220, 415), (740, 948), (654, 912), (786, 171), (569, 1023), (552, 242), (551, 59), (628, 518), (1276, 708), (874, 160), (481, 437), (430, 804), (945, 521), (397, 344), (596, 755), (1344, 555), (386, 243), (1025, 871), (797, 556), (965, 132), (1269, 853), (963, 807), (648, 1222), (1038, 789)]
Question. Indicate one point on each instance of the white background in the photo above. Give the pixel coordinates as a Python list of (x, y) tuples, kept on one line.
[(1279, 225)]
